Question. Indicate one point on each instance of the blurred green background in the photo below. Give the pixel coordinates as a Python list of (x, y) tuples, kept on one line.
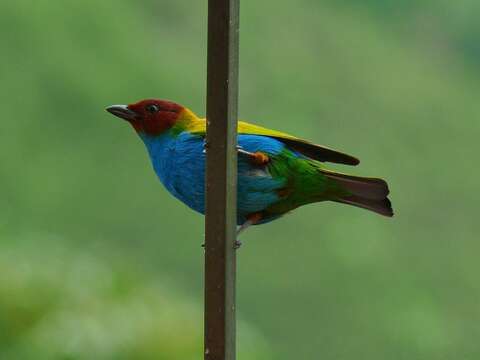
[(97, 261)]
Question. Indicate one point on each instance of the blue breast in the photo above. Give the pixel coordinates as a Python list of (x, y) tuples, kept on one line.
[(179, 163)]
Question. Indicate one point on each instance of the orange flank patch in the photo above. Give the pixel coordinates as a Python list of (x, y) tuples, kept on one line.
[(255, 217), (283, 192), (260, 158)]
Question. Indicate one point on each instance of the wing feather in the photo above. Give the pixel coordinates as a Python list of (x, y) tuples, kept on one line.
[(311, 150)]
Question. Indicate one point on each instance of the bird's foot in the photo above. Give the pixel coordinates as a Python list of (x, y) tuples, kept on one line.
[(205, 146), (236, 245)]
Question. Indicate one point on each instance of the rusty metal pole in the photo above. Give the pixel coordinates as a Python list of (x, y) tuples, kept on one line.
[(221, 179)]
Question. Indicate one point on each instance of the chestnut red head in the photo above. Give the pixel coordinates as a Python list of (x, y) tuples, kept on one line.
[(151, 117)]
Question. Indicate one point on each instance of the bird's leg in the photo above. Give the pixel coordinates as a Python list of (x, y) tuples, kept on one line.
[(258, 157), (251, 220)]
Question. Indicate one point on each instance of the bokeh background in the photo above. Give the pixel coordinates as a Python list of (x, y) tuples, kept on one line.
[(97, 261)]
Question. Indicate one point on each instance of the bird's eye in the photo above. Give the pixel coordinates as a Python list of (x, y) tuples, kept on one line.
[(152, 108)]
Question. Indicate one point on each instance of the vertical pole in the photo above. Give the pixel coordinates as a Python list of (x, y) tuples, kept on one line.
[(221, 179)]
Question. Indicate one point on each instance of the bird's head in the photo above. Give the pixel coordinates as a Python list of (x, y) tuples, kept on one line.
[(150, 117)]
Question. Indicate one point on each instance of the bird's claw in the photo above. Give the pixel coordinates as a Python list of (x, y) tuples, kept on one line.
[(236, 245), (205, 146)]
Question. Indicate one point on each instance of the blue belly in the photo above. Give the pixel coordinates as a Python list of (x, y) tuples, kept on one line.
[(180, 165)]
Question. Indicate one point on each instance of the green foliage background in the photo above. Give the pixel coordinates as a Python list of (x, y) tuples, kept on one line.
[(98, 261)]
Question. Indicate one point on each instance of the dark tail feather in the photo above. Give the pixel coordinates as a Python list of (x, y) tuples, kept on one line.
[(366, 193), (382, 207)]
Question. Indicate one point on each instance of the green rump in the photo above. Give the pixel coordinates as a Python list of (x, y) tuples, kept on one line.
[(305, 182)]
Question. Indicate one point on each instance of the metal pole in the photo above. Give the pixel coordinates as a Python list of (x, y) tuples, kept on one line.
[(221, 179)]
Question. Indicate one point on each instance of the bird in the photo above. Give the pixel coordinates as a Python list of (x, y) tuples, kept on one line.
[(277, 172)]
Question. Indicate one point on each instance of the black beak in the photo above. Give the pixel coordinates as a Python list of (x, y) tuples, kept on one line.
[(122, 111)]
